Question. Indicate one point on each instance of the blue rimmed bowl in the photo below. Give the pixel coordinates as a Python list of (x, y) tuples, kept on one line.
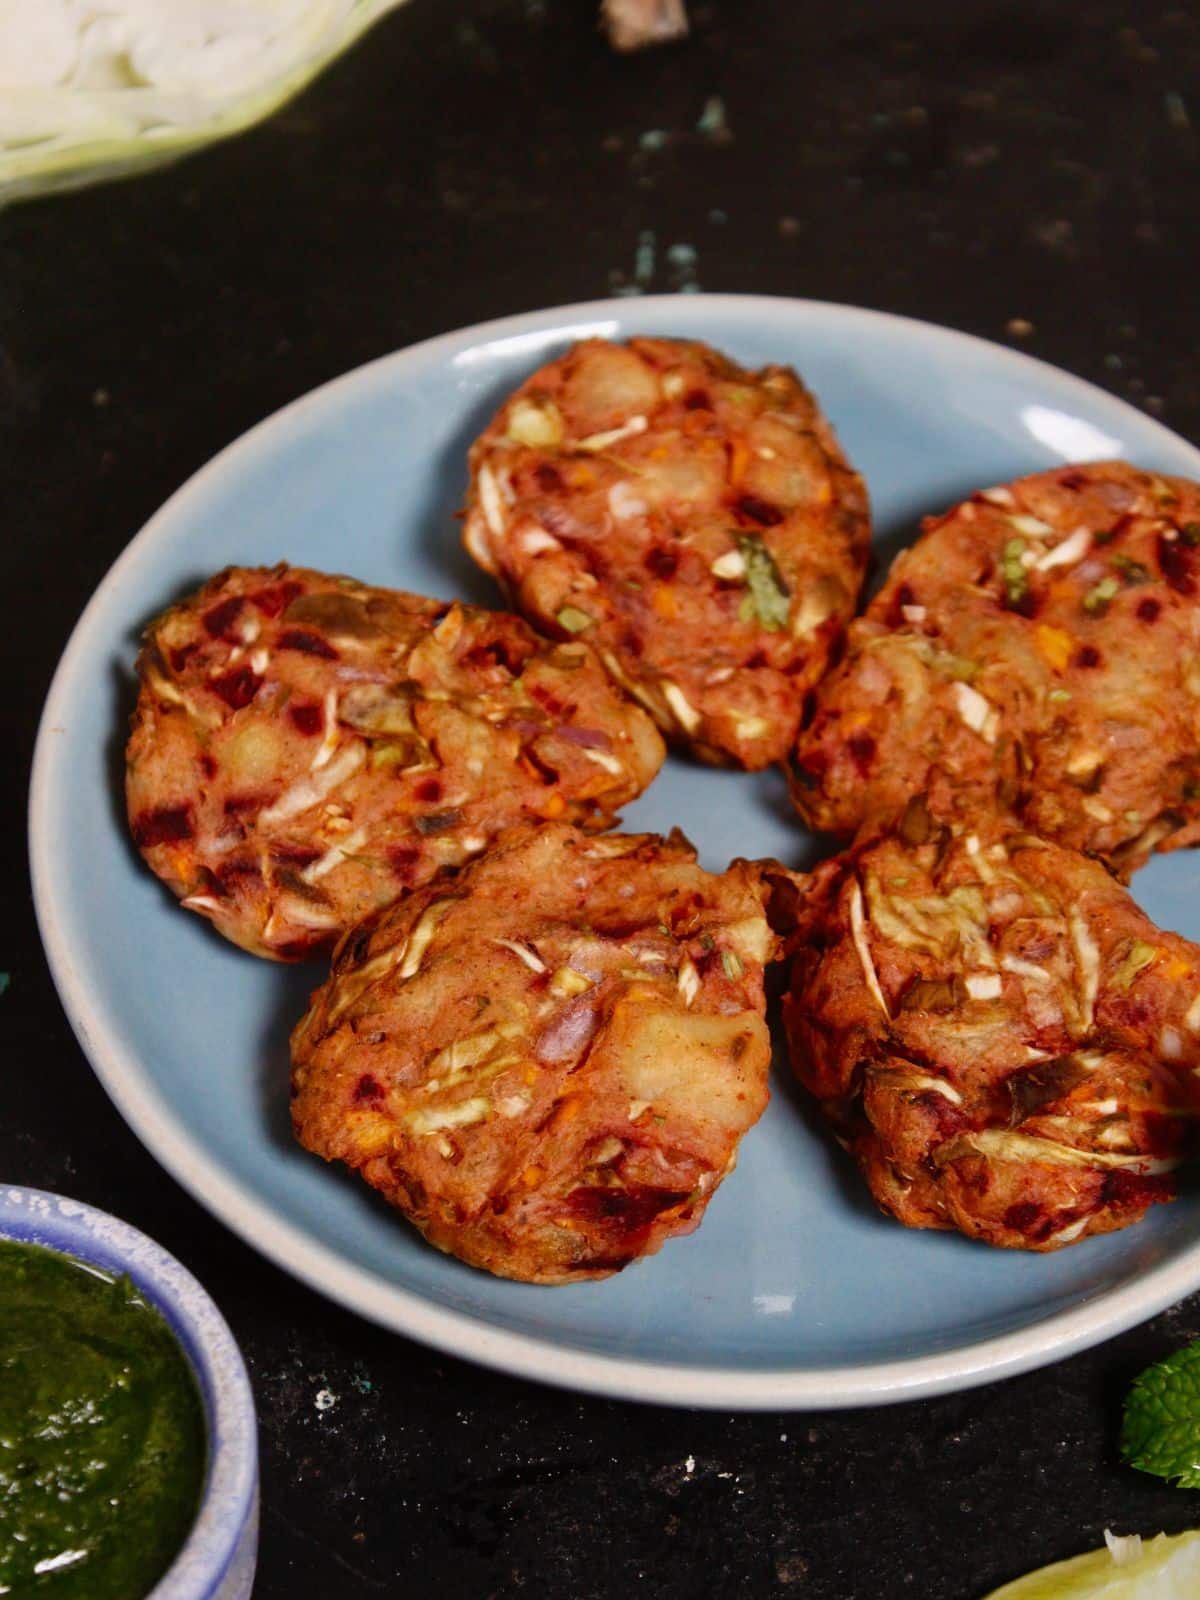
[(218, 1557)]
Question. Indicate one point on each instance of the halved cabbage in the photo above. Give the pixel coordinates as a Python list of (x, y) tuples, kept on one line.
[(91, 89)]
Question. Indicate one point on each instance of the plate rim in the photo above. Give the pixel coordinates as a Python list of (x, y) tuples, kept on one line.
[(543, 1359)]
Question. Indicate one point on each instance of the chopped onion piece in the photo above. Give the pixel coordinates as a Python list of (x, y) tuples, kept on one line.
[(984, 985), (685, 713), (463, 1115), (523, 953), (730, 566), (611, 436), (1087, 958), (1072, 549), (858, 932), (688, 980), (971, 706), (421, 937), (308, 791)]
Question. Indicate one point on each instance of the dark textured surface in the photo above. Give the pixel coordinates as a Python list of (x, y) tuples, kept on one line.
[(1026, 172)]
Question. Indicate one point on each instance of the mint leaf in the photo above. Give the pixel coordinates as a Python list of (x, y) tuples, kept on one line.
[(768, 595), (1161, 1429)]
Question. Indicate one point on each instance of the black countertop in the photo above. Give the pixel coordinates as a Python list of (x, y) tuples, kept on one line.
[(1028, 172)]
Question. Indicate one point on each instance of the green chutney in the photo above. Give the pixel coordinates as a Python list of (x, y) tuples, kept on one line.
[(102, 1435)]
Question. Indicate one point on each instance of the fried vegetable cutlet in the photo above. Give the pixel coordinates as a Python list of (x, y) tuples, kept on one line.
[(1038, 647), (306, 748), (1003, 1041), (697, 522), (548, 1062)]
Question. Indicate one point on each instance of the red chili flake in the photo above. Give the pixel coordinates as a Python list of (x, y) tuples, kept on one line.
[(632, 642), (621, 928), (760, 511), (1021, 1217), (295, 949), (368, 1088), (758, 659), (294, 855), (219, 621), (1088, 656), (235, 804), (663, 563), (180, 657), (1024, 604), (207, 765), (697, 400), (429, 789), (237, 688), (1175, 559), (1148, 609), (274, 600), (627, 1210), (402, 858), (166, 825), (597, 562), (229, 872), (307, 719), (309, 644), (1123, 524), (549, 700), (862, 751), (1130, 1191), (602, 1264), (1072, 479), (548, 477), (495, 653)]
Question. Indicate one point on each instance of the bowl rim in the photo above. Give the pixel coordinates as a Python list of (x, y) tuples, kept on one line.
[(1097, 1317), (229, 1494)]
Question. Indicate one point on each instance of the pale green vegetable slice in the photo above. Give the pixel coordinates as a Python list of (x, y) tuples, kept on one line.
[(94, 89), (1125, 1569)]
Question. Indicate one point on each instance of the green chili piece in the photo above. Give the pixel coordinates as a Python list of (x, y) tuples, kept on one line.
[(1097, 600), (767, 595), (574, 620)]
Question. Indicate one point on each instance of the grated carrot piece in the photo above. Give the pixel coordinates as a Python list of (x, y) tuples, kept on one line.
[(1055, 645)]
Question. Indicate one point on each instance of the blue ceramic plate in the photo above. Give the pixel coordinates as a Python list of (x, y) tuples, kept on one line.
[(795, 1292)]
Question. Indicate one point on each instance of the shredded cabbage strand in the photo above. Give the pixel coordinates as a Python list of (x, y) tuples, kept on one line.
[(89, 88)]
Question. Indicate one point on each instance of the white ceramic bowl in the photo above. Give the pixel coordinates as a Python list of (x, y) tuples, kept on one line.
[(218, 1558)]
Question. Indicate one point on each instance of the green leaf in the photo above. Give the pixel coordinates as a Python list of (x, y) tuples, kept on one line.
[(5, 980), (767, 597), (1161, 1429)]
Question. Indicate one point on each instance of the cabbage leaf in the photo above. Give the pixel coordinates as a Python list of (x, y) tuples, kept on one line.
[(92, 89)]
